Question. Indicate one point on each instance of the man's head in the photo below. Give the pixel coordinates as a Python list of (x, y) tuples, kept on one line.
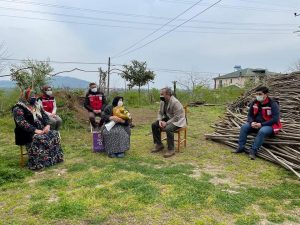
[(165, 94), (93, 87), (261, 93)]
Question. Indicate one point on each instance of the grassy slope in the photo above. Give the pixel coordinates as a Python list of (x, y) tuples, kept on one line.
[(205, 184)]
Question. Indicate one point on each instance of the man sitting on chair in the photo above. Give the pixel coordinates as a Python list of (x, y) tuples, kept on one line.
[(171, 117), (94, 102)]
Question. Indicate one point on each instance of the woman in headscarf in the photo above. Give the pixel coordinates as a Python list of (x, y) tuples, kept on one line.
[(33, 130), (117, 139)]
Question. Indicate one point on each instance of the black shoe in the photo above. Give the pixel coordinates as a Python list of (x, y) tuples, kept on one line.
[(252, 154), (239, 150)]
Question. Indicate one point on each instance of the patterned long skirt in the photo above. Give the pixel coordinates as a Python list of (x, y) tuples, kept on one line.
[(44, 151), (116, 140)]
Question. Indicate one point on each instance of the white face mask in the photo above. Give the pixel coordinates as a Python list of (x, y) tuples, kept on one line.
[(259, 98), (120, 103), (49, 93), (94, 90)]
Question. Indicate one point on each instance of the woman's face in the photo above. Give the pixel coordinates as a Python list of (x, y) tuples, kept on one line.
[(120, 102), (32, 98)]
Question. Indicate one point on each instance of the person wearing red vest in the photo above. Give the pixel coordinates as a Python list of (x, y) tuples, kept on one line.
[(94, 102), (263, 118), (48, 103)]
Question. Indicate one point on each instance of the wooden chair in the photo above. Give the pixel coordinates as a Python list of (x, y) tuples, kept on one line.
[(22, 154), (181, 131)]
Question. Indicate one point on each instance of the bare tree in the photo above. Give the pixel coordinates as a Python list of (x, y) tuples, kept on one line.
[(295, 66), (193, 80)]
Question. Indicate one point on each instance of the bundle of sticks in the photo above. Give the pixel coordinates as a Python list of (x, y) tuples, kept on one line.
[(283, 148)]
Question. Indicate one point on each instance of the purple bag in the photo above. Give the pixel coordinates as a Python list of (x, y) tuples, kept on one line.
[(98, 145)]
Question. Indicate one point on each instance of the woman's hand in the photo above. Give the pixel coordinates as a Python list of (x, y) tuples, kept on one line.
[(39, 132), (46, 129), (116, 119)]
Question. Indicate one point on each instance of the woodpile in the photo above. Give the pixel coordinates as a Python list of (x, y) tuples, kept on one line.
[(284, 148)]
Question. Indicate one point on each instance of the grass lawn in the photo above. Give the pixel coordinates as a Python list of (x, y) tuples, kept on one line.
[(204, 184)]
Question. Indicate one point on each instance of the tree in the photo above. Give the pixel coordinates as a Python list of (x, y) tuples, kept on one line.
[(34, 74), (137, 74)]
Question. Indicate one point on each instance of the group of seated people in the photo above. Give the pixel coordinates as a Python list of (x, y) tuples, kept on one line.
[(37, 124)]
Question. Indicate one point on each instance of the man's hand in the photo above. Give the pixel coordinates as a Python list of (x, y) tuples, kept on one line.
[(46, 129), (53, 115), (97, 111), (38, 132), (256, 125), (162, 124)]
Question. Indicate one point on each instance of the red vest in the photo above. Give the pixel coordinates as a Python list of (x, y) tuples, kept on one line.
[(266, 111), (95, 101), (48, 103)]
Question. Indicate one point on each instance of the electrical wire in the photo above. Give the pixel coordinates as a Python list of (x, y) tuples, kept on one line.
[(164, 34)]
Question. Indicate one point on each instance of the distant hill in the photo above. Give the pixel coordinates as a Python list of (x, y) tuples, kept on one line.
[(56, 82)]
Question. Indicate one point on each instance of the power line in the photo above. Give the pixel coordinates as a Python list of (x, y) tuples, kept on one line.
[(226, 6), (138, 28), (137, 22), (164, 34), (158, 29), (55, 61), (126, 14)]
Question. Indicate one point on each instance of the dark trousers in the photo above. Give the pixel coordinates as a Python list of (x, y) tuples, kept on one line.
[(169, 129), (92, 118)]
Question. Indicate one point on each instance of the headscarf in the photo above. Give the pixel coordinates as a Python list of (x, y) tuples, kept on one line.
[(116, 100)]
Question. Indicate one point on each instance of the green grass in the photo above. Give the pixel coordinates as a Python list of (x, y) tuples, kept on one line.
[(204, 184)]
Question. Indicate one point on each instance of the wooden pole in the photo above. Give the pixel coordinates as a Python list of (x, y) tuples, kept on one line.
[(108, 76)]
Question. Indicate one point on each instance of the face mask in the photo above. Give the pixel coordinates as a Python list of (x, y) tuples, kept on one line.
[(120, 103), (32, 100), (49, 93), (259, 98), (94, 90), (162, 98)]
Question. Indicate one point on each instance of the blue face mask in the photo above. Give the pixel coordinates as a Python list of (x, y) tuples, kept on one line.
[(32, 100)]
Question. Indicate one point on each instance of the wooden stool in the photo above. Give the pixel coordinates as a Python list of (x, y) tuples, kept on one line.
[(179, 132), (22, 164)]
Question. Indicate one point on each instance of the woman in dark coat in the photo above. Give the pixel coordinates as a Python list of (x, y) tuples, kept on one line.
[(33, 131), (117, 139)]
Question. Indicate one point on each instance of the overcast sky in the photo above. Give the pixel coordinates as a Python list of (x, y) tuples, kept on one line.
[(250, 33)]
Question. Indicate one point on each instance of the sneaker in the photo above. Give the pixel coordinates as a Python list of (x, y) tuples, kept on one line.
[(239, 150), (252, 154), (120, 155), (112, 155), (169, 153), (158, 148)]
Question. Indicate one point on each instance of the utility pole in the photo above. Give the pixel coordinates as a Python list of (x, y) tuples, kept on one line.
[(108, 76), (100, 78), (174, 88)]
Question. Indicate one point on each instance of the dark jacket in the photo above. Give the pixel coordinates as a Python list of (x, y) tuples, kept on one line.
[(267, 113), (24, 136), (87, 104)]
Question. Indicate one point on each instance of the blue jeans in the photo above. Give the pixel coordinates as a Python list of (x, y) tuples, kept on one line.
[(263, 132)]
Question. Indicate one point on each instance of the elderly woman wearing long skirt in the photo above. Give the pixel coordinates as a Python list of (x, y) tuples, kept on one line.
[(33, 131), (116, 132)]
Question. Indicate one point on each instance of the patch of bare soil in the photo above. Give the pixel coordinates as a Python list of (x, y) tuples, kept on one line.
[(143, 115)]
